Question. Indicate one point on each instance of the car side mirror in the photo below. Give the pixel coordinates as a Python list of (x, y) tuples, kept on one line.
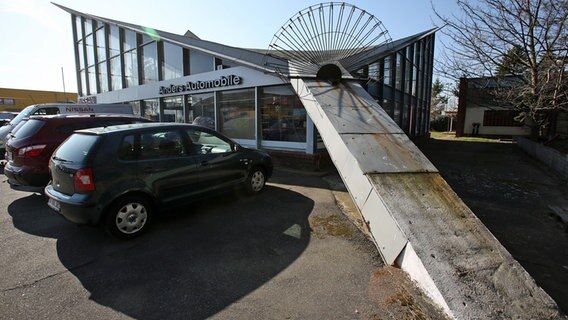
[(237, 147)]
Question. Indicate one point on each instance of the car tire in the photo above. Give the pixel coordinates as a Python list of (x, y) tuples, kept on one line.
[(255, 181), (128, 217)]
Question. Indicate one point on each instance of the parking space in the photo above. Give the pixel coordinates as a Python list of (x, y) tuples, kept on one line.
[(287, 254)]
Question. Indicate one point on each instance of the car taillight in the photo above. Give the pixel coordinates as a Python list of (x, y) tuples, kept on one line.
[(31, 151), (83, 180)]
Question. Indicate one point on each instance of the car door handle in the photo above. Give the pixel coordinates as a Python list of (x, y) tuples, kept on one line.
[(148, 170)]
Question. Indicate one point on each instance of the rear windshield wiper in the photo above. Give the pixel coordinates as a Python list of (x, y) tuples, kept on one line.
[(60, 159)]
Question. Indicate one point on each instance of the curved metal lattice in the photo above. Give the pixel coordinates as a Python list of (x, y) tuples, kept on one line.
[(328, 33)]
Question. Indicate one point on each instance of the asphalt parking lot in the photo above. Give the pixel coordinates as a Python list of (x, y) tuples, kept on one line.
[(288, 253)]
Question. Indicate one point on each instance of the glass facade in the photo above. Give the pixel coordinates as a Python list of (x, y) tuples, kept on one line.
[(115, 73), (283, 115), (131, 68), (201, 109), (92, 79), (114, 61), (173, 61), (136, 107), (101, 43), (111, 58), (237, 113), (103, 76), (114, 41), (173, 109), (151, 109), (403, 85), (90, 50), (149, 54)]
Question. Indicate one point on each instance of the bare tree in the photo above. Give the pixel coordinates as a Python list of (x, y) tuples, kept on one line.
[(488, 36)]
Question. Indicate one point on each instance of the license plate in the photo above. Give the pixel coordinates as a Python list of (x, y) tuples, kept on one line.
[(54, 204)]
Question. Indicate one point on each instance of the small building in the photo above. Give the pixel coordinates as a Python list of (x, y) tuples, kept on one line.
[(14, 100), (182, 78), (479, 113)]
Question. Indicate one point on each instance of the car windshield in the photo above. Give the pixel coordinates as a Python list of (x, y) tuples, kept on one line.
[(76, 148), (24, 113)]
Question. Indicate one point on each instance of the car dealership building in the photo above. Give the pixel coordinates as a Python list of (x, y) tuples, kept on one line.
[(182, 78)]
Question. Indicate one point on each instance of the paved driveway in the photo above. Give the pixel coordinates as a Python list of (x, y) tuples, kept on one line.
[(511, 193), (287, 254)]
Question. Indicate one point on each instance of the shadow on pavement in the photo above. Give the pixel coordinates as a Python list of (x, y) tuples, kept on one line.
[(511, 194), (193, 263)]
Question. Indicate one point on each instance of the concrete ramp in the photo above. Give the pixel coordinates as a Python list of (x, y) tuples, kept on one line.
[(416, 220)]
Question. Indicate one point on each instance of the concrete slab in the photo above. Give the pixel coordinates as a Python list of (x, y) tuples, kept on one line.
[(512, 194), (416, 221)]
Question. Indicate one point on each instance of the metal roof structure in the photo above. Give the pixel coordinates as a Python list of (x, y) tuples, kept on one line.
[(241, 56), (259, 59), (378, 52)]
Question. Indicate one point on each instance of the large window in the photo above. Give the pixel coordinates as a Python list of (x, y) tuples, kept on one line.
[(131, 68), (114, 58), (92, 80), (114, 41), (79, 27), (283, 116), (173, 61), (150, 62), (387, 71), (397, 113), (90, 50), (103, 76), (388, 107), (408, 70), (88, 26), (202, 109), (173, 109), (415, 71), (81, 54), (136, 108), (115, 73), (130, 59), (151, 109), (101, 44), (375, 77), (399, 71), (405, 124), (237, 118), (83, 76), (129, 40)]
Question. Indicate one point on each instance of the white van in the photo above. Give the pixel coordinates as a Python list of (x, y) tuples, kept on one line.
[(57, 108)]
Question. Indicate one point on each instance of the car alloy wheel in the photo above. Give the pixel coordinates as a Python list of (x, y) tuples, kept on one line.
[(256, 181), (128, 217)]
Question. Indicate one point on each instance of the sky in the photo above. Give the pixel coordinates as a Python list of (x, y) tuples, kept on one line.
[(36, 42)]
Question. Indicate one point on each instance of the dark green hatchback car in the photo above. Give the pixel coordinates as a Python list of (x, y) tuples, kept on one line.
[(119, 176)]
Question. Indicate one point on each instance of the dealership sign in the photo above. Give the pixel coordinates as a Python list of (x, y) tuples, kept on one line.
[(224, 81)]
